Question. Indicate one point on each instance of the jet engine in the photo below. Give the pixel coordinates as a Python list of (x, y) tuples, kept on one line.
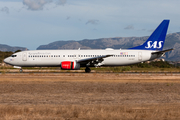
[(70, 65)]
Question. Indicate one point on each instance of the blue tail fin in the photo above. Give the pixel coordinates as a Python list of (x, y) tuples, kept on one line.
[(157, 38)]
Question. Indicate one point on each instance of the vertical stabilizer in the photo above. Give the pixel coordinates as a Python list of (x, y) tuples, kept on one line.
[(157, 39)]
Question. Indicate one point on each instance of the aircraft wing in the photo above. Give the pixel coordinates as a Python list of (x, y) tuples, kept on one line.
[(162, 52), (93, 60)]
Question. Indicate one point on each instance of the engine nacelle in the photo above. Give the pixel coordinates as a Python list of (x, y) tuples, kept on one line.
[(70, 65)]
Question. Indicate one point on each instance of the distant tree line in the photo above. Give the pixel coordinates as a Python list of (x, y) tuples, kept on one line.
[(154, 64)]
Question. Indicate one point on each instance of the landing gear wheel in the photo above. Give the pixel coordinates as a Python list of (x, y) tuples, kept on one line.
[(87, 70), (21, 70)]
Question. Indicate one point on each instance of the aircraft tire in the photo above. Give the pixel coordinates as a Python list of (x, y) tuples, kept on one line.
[(21, 70), (87, 70)]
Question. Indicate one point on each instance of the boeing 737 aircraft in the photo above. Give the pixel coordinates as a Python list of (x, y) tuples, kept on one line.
[(74, 59)]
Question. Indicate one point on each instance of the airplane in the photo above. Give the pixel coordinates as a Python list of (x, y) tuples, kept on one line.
[(151, 49)]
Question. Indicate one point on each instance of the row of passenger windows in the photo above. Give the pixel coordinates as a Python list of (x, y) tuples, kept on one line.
[(44, 55), (123, 55), (80, 55), (85, 55), (101, 55)]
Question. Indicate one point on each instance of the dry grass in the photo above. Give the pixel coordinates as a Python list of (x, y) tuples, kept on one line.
[(89, 96), (97, 112)]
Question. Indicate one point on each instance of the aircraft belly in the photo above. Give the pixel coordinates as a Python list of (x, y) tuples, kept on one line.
[(119, 61)]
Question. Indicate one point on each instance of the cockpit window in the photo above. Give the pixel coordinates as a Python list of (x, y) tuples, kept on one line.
[(13, 55)]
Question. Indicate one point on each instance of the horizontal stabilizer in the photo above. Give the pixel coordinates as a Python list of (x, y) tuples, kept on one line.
[(164, 51)]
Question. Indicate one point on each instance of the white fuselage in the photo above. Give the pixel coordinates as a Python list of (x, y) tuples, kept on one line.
[(74, 59), (48, 58)]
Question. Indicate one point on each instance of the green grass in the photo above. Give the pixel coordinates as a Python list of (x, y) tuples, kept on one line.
[(135, 69), (156, 69)]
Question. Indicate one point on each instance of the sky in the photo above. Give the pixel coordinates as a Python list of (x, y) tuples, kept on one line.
[(31, 23)]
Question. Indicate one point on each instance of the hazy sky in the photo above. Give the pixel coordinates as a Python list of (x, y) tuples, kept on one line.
[(30, 23)]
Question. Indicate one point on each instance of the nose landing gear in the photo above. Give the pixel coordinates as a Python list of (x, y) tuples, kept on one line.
[(20, 70), (18, 67)]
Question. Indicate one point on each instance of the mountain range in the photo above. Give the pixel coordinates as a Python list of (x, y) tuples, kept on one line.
[(172, 41), (10, 48)]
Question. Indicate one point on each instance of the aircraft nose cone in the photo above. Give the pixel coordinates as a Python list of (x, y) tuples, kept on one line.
[(6, 60)]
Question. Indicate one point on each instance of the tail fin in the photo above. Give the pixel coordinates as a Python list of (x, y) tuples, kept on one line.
[(157, 38)]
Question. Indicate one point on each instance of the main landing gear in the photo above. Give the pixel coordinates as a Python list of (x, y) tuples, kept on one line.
[(87, 70)]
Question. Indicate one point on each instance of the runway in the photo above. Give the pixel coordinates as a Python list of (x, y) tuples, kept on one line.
[(83, 73), (49, 71)]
